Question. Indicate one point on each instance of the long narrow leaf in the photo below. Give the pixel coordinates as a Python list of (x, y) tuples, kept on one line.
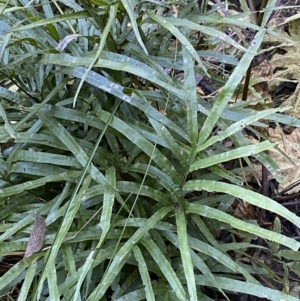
[(232, 154), (128, 5), (185, 254), (229, 88), (108, 201), (65, 226), (112, 16), (246, 288), (237, 127), (23, 295), (217, 255), (238, 224), (144, 273), (165, 266), (245, 194), (190, 96), (183, 40), (125, 250)]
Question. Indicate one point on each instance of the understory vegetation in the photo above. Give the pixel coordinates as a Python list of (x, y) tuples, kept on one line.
[(121, 172)]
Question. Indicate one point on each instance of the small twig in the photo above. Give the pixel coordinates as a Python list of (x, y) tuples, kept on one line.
[(15, 83), (286, 198), (253, 9), (207, 87), (264, 181)]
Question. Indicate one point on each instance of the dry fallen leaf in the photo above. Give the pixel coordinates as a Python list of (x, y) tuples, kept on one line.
[(263, 70), (288, 159), (37, 236), (290, 145), (285, 69), (245, 211)]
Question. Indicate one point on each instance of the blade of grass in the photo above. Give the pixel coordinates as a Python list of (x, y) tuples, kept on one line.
[(72, 209), (26, 285), (183, 40), (185, 253), (229, 88), (15, 189), (257, 290), (244, 226), (128, 5), (52, 283), (190, 96), (144, 273), (232, 154), (112, 16), (120, 258), (250, 196), (165, 267), (237, 126)]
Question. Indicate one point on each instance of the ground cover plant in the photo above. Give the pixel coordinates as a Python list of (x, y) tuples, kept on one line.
[(119, 176)]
